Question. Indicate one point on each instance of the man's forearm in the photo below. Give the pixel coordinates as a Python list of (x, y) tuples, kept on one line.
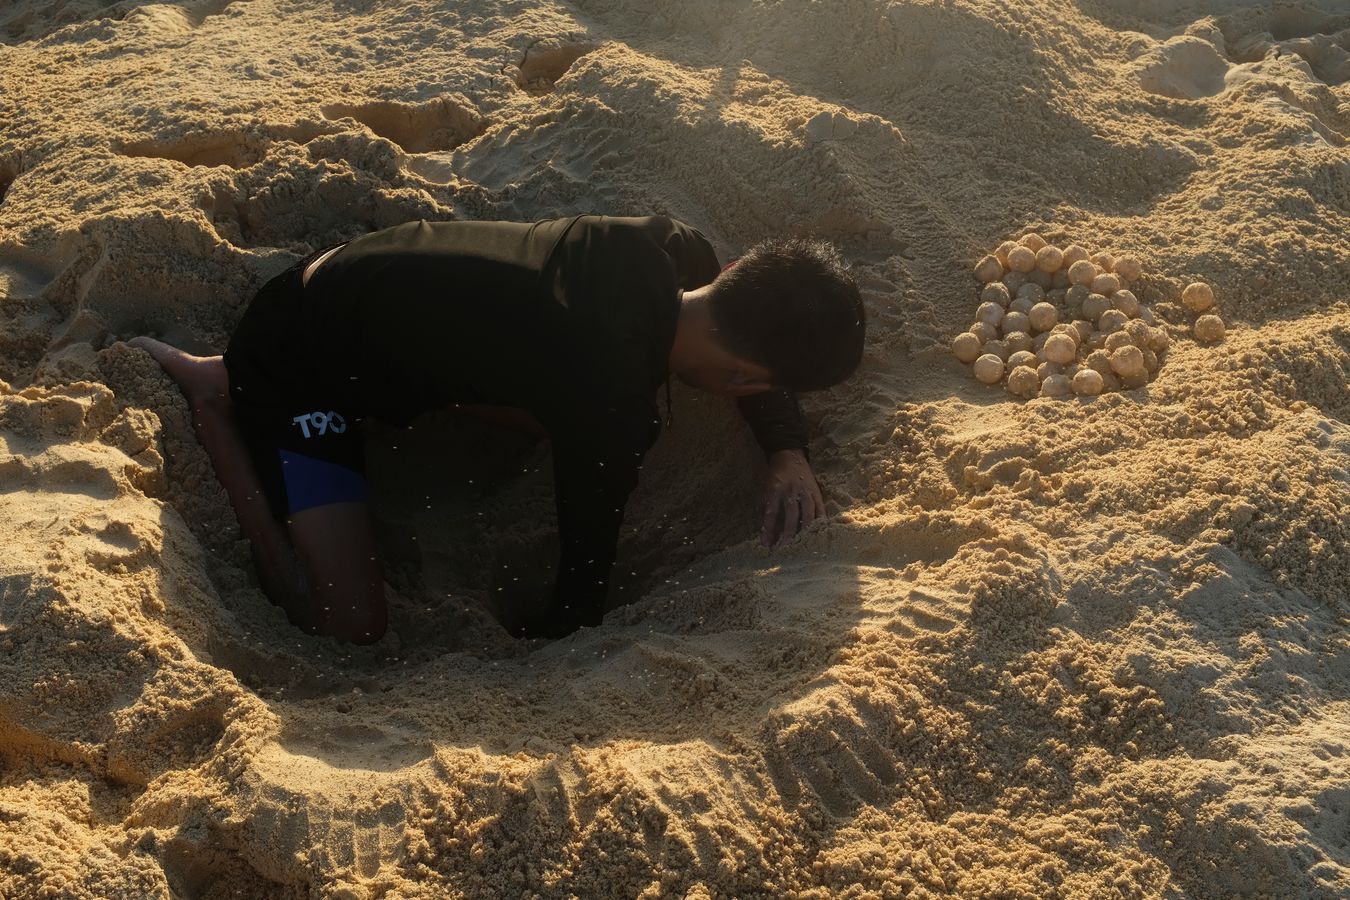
[(776, 419)]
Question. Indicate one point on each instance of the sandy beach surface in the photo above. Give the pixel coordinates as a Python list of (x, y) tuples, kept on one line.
[(1044, 648)]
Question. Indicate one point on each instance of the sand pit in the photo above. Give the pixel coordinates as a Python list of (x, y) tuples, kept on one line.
[(1046, 648)]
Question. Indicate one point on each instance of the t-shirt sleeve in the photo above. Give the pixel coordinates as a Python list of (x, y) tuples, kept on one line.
[(776, 419), (622, 274), (694, 260), (596, 461)]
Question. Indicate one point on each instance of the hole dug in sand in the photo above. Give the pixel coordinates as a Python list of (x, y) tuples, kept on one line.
[(719, 629), (468, 517), (545, 61), (1319, 38), (30, 20), (442, 123), (307, 206), (569, 740)]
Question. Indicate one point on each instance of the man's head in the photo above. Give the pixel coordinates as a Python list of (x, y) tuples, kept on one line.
[(786, 314)]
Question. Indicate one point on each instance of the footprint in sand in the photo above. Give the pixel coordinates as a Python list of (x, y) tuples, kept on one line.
[(236, 148), (25, 274)]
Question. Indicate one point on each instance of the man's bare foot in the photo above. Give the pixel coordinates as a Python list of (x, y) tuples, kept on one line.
[(198, 377)]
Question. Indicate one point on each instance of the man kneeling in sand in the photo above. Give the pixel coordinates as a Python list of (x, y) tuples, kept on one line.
[(563, 328)]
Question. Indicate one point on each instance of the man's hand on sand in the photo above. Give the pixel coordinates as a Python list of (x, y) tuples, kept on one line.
[(791, 498)]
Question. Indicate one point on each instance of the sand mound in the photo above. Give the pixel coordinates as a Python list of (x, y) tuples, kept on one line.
[(1094, 648)]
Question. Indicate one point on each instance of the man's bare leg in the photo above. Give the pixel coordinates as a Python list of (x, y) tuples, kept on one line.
[(205, 383), (336, 545)]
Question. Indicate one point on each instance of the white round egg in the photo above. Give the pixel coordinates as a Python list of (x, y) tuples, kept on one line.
[(1107, 283), (1060, 348), (1049, 258), (1126, 302), (989, 312), (1021, 259), (1015, 321), (1082, 272), (1197, 297), (1087, 382), (1209, 328), (1017, 341), (1024, 382), (988, 269), (1128, 360), (996, 292), (966, 347), (1128, 268), (1056, 386), (1112, 320), (1043, 316), (989, 368), (1073, 253)]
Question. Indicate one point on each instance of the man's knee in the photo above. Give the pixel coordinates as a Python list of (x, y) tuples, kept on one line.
[(359, 620), (208, 402)]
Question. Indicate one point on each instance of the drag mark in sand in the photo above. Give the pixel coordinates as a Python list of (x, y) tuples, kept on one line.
[(236, 149), (208, 150)]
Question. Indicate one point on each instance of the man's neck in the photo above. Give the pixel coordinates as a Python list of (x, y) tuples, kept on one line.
[(691, 328)]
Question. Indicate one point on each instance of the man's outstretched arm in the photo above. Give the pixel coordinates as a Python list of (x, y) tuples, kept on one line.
[(595, 468), (792, 499), (591, 495)]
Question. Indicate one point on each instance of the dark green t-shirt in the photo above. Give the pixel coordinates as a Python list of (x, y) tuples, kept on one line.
[(569, 319)]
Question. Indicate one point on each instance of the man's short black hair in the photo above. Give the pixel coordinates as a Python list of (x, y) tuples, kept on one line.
[(790, 305)]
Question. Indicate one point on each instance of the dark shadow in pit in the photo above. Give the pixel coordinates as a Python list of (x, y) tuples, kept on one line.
[(8, 172), (466, 511), (22, 24)]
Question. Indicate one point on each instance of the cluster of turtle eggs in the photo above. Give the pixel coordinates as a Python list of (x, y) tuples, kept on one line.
[(1055, 323)]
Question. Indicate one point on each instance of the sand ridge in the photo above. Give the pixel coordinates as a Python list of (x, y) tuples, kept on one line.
[(1081, 648)]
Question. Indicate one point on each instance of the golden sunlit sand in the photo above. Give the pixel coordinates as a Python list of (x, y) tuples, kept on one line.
[(1046, 646)]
